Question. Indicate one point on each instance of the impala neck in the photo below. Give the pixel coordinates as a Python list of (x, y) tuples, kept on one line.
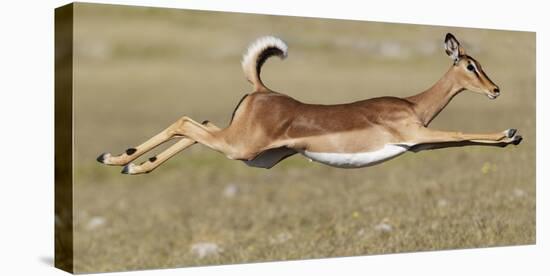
[(429, 103)]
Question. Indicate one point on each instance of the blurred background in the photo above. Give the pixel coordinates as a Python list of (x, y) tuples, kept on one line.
[(137, 70)]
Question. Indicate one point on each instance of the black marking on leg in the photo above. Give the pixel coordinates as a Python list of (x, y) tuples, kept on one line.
[(101, 158), (131, 151), (153, 159), (205, 122)]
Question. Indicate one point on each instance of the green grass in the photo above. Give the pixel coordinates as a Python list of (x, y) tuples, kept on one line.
[(139, 69)]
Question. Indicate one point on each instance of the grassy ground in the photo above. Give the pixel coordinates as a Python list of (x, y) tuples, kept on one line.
[(139, 69)]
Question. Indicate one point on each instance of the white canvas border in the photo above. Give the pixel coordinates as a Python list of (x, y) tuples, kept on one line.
[(26, 87)]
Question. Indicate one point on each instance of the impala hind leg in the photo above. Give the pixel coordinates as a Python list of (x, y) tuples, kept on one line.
[(133, 153), (212, 137), (435, 139), (155, 161)]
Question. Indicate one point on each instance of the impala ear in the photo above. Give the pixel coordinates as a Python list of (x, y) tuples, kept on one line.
[(453, 48)]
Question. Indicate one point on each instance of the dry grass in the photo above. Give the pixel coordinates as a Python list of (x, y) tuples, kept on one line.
[(139, 69)]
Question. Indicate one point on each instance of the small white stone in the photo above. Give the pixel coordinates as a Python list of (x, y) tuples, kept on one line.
[(205, 249), (95, 222), (383, 227), (442, 202), (280, 238), (231, 191)]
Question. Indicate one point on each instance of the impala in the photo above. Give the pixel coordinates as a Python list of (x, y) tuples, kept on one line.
[(267, 126)]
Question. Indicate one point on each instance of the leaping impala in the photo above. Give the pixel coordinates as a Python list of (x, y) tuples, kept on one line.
[(267, 126)]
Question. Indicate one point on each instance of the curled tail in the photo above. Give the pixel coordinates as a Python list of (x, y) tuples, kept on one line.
[(257, 53)]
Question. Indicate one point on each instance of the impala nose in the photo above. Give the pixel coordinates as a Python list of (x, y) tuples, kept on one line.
[(496, 92)]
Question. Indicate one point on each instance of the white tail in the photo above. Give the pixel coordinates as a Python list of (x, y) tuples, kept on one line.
[(257, 53)]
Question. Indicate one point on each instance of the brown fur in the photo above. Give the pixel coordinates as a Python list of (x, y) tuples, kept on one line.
[(267, 125)]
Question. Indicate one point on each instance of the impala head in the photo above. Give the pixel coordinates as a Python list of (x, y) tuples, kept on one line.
[(467, 71)]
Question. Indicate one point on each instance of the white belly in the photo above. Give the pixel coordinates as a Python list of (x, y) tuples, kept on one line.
[(358, 160)]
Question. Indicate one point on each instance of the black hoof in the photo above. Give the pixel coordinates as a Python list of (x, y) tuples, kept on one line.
[(101, 158), (125, 170), (511, 132), (153, 159), (517, 140)]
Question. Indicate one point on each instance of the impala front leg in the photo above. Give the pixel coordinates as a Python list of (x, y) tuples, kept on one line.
[(435, 139)]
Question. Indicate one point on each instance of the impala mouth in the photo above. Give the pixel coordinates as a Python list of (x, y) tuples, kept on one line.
[(493, 96)]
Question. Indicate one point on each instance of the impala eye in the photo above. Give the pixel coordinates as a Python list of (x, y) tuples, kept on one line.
[(471, 67)]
